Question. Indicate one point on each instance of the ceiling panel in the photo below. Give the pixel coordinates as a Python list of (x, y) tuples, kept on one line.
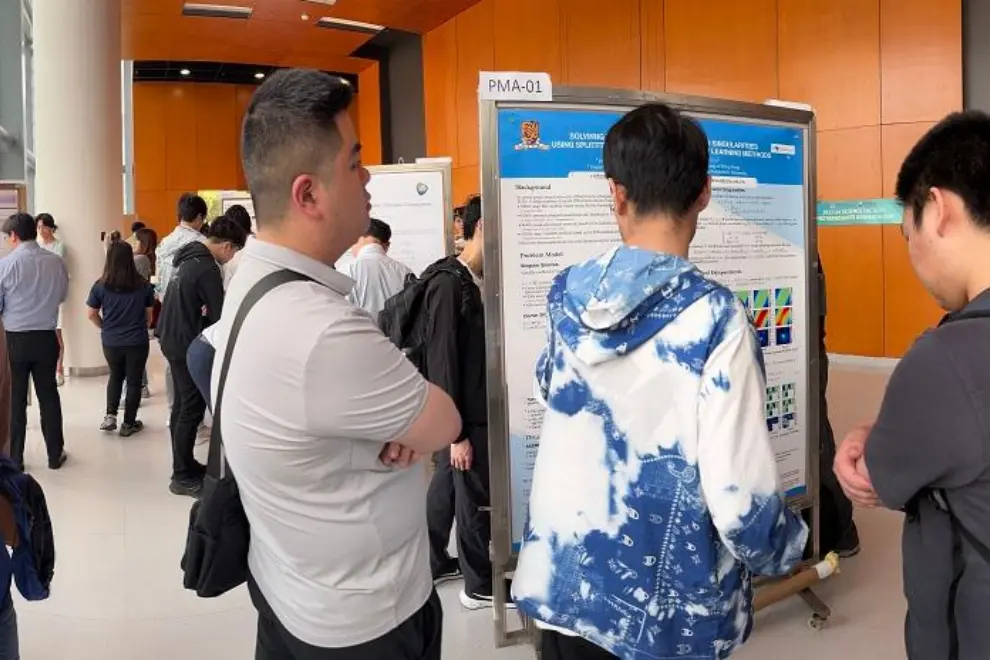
[(275, 33)]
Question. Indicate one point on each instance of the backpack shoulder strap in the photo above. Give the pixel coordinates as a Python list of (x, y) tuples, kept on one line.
[(216, 467)]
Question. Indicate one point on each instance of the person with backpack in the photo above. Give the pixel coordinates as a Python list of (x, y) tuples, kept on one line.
[(449, 327), (928, 452), (377, 276), (194, 301)]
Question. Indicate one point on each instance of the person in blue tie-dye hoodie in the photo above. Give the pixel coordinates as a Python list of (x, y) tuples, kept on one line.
[(655, 495)]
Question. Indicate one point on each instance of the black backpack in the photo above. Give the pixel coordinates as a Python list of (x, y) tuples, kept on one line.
[(400, 320), (34, 557)]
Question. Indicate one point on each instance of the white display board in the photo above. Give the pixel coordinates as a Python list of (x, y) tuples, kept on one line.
[(228, 199), (554, 211), (414, 200)]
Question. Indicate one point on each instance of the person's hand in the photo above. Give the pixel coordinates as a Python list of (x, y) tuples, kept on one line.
[(855, 482), (398, 455), (461, 455)]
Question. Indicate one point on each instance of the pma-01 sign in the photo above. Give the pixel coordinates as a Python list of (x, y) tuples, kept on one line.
[(514, 86)]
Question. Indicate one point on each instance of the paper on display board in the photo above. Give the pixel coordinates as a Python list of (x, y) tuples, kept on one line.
[(555, 211), (412, 202), (244, 199)]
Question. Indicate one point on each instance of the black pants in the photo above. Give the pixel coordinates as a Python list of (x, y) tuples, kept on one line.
[(417, 638), (34, 356), (188, 410), (474, 527), (838, 531), (554, 646), (126, 363), (440, 510)]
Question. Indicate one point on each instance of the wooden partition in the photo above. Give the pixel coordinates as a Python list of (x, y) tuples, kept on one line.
[(878, 73), (187, 138)]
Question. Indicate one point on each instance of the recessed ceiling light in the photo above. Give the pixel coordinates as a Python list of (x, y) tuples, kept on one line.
[(184, 72), (305, 17), (322, 2), (350, 26), (259, 75)]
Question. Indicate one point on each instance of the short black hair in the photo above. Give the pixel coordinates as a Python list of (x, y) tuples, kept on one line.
[(240, 215), (471, 217), (21, 225), (379, 230), (191, 207), (661, 158), (953, 155), (225, 230), (47, 220), (136, 225), (290, 129)]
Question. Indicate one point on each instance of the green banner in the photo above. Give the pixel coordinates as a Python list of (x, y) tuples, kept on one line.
[(859, 212)]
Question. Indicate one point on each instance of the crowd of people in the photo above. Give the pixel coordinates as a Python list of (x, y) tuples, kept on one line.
[(655, 497)]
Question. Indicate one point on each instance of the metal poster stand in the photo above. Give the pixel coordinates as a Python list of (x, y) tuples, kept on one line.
[(504, 554)]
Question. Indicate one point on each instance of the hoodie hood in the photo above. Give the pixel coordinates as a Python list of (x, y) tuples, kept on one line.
[(611, 305), (189, 251)]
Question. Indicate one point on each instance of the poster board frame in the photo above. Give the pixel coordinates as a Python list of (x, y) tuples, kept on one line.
[(502, 552)]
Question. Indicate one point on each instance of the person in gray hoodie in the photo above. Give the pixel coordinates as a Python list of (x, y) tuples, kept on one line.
[(191, 216)]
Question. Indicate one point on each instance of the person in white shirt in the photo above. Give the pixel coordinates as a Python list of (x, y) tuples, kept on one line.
[(322, 416), (377, 276)]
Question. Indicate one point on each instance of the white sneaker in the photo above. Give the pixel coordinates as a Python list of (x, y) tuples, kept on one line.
[(109, 423), (479, 602)]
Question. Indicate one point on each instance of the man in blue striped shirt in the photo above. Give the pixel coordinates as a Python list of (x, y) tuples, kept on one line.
[(33, 283)]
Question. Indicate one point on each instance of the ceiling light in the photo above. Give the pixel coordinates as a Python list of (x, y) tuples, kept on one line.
[(259, 75), (216, 11), (322, 2), (184, 72), (305, 17), (350, 26)]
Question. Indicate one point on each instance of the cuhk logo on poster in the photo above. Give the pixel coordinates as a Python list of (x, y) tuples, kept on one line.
[(422, 189), (530, 136)]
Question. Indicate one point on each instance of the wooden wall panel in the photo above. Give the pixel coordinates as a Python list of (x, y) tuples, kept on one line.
[(149, 137), (849, 165), (216, 137), (652, 69), (896, 142), (908, 308), (370, 111), (439, 90), (722, 48), (465, 181), (155, 209), (527, 36), (242, 99), (586, 32), (181, 157), (854, 270), (830, 59), (921, 59), (475, 52)]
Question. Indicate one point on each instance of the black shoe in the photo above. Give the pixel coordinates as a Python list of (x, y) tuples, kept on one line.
[(451, 571), (55, 464), (127, 430), (186, 488)]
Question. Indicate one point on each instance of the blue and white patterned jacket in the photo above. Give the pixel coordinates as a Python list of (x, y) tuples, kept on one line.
[(655, 494)]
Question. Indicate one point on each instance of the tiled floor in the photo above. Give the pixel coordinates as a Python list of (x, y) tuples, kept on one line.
[(118, 592)]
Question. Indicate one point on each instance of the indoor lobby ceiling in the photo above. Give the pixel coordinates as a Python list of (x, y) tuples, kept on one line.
[(275, 33)]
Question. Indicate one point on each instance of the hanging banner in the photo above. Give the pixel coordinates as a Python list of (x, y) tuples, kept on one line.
[(555, 210), (859, 212)]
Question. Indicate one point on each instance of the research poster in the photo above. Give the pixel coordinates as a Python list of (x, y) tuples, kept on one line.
[(555, 210), (412, 202), (244, 199)]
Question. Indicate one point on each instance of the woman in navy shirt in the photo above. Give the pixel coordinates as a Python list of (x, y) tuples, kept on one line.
[(120, 304)]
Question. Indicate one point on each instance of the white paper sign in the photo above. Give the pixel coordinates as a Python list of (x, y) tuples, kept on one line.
[(514, 86)]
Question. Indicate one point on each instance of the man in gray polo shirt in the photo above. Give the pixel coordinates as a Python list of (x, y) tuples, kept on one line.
[(321, 413), (928, 452)]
